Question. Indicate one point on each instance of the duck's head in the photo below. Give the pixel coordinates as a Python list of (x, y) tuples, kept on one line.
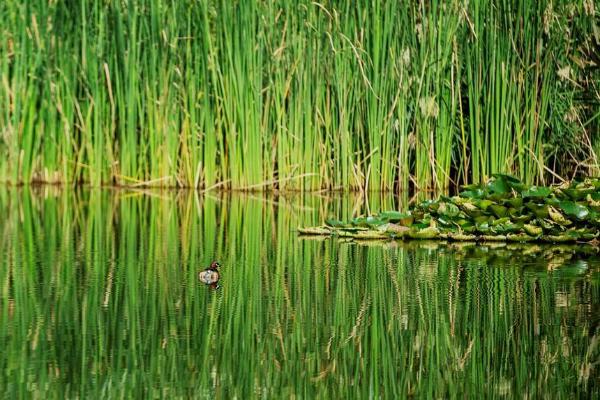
[(214, 266)]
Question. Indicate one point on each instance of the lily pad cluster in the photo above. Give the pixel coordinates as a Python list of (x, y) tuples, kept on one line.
[(503, 209)]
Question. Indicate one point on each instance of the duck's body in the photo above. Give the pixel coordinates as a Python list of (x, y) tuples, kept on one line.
[(210, 276)]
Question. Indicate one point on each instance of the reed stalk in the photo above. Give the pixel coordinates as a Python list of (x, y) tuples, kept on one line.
[(300, 95)]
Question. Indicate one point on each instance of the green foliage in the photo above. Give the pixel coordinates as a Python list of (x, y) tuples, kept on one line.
[(502, 209), (297, 95)]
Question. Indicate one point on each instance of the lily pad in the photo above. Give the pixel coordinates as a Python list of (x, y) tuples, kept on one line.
[(578, 194), (499, 211), (515, 202), (427, 233), (462, 237), (448, 210), (334, 223), (512, 182), (507, 227), (574, 210), (483, 228), (493, 238), (482, 219), (398, 230), (374, 221), (519, 237), (359, 221), (540, 210), (370, 235), (536, 192), (522, 218), (394, 216), (507, 178), (484, 204), (318, 230), (533, 230), (498, 186), (352, 228), (500, 221), (560, 238), (473, 194), (557, 217)]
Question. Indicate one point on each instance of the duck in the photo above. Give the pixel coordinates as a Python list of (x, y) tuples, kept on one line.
[(210, 276)]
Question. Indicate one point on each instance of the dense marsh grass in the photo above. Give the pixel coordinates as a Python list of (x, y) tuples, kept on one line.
[(297, 95), (100, 299)]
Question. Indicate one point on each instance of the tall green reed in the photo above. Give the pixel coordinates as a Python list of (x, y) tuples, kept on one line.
[(296, 95)]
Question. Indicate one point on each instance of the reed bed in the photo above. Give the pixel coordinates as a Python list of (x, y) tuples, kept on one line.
[(100, 299), (298, 95)]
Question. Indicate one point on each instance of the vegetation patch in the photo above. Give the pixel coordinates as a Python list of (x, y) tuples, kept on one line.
[(503, 209), (298, 95)]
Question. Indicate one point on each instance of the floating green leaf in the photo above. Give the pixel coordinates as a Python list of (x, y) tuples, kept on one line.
[(360, 221), (319, 230), (482, 219), (498, 186), (499, 211), (533, 230), (560, 238), (394, 228), (507, 178), (484, 204), (515, 202), (500, 221), (557, 217), (522, 218), (507, 227), (448, 210), (473, 194), (334, 223), (519, 237), (394, 216), (462, 237), (427, 233), (536, 192), (370, 235), (540, 210), (574, 210), (578, 194), (375, 221)]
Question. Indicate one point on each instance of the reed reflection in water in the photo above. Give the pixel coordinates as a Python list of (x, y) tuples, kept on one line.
[(100, 298)]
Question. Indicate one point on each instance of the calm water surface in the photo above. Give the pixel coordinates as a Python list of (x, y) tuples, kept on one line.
[(100, 299)]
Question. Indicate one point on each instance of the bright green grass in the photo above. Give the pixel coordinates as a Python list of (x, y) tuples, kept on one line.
[(100, 300), (297, 95)]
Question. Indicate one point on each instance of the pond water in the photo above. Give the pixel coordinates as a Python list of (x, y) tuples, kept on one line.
[(100, 298)]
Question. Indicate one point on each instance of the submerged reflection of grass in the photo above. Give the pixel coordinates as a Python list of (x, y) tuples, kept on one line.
[(100, 299)]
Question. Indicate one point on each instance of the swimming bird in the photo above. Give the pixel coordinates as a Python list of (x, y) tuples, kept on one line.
[(210, 276)]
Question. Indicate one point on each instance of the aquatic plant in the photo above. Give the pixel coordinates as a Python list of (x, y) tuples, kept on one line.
[(298, 95), (503, 209)]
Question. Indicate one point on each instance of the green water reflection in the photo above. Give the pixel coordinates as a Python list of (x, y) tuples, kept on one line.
[(100, 299)]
